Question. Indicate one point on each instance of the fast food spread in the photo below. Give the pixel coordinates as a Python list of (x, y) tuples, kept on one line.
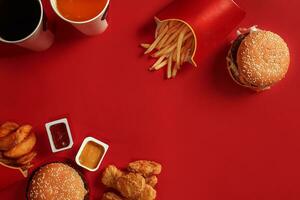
[(136, 183), (257, 59), (174, 44), (16, 146)]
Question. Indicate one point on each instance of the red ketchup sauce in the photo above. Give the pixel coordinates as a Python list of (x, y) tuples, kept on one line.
[(60, 136)]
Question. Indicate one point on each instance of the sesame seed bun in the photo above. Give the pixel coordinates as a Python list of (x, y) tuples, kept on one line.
[(258, 59), (57, 181)]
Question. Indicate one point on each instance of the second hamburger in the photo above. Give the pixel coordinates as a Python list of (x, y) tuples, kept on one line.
[(57, 181), (258, 59)]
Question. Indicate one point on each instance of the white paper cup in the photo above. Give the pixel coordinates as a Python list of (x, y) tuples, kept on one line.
[(94, 26), (40, 39)]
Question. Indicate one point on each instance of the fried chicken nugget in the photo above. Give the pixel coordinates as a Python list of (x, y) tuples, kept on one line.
[(22, 148), (11, 140), (7, 128), (144, 167), (148, 193), (110, 176), (131, 185), (152, 181), (111, 196)]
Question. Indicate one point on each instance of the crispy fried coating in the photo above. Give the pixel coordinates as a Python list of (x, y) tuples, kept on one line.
[(7, 142), (131, 185), (135, 184), (12, 139), (22, 148), (152, 181), (110, 176), (148, 193), (7, 128), (16, 144), (26, 159), (111, 196), (22, 133), (144, 167)]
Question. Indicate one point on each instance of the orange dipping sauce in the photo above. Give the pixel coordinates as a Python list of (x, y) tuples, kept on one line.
[(80, 10), (91, 155)]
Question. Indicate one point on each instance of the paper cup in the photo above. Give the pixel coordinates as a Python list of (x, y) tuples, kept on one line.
[(40, 39), (94, 26), (211, 21)]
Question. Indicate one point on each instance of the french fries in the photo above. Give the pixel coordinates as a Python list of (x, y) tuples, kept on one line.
[(174, 45)]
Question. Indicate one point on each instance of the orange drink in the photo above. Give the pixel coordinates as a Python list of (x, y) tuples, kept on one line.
[(80, 10), (88, 16)]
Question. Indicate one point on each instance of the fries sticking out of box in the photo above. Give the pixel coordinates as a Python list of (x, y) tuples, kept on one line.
[(187, 30), (174, 45)]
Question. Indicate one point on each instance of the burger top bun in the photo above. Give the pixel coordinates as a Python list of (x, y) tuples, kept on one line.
[(263, 58), (56, 181)]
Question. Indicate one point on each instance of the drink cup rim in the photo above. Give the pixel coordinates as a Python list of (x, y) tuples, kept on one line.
[(32, 33), (54, 7)]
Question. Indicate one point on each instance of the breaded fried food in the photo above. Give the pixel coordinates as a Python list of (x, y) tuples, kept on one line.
[(22, 133), (148, 193), (15, 138), (152, 181), (110, 176), (111, 196), (145, 167), (136, 183), (22, 148), (16, 144), (131, 185), (7, 142), (26, 159), (7, 128)]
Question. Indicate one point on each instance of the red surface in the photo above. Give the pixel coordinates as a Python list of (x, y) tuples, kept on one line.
[(214, 139)]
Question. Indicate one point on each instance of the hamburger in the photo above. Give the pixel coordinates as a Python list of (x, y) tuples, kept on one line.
[(258, 59), (57, 181)]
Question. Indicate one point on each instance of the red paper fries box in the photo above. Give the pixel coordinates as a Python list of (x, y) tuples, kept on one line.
[(10, 176), (210, 20)]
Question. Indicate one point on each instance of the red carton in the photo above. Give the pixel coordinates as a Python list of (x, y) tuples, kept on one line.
[(10, 175), (210, 20)]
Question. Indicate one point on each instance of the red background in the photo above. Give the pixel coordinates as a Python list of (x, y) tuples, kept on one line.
[(215, 139)]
